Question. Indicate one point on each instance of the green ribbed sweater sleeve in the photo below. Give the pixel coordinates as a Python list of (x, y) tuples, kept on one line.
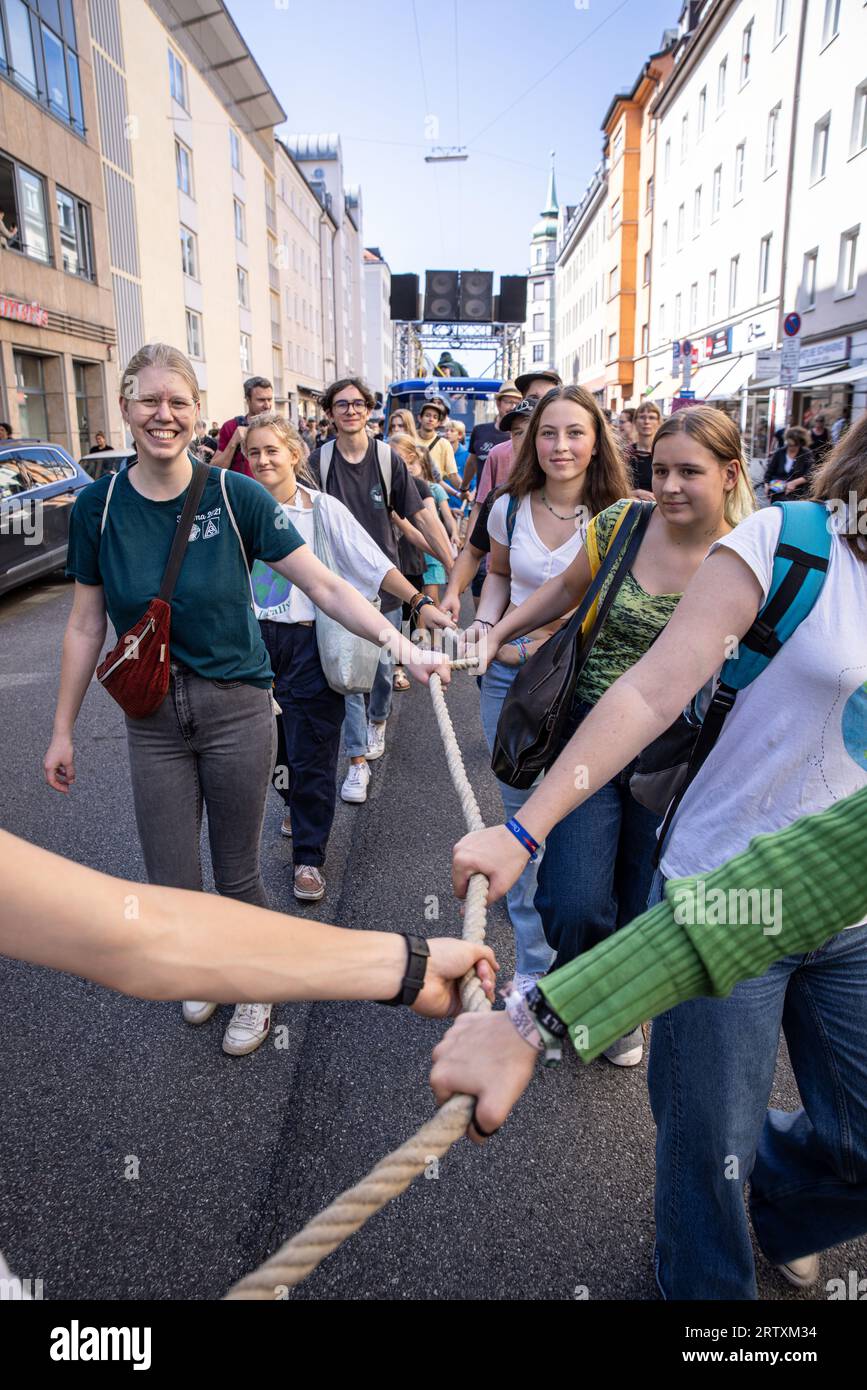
[(814, 882)]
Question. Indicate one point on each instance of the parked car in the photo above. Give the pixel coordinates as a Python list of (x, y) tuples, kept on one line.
[(105, 461), (39, 483)]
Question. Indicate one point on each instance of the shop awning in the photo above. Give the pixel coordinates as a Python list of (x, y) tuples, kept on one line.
[(814, 378), (715, 381), (839, 378)]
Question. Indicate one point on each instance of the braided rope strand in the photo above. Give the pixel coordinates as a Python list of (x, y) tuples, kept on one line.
[(301, 1254)]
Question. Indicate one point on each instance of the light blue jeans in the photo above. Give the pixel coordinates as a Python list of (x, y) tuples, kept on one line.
[(355, 721), (533, 955), (710, 1075)]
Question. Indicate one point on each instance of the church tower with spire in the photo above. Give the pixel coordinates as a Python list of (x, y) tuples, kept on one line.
[(537, 341)]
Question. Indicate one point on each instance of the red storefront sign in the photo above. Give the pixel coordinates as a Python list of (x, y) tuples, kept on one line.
[(23, 313)]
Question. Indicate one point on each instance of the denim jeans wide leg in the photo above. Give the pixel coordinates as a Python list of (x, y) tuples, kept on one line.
[(597, 870), (533, 955), (808, 1190), (354, 726), (379, 707), (210, 742), (312, 716)]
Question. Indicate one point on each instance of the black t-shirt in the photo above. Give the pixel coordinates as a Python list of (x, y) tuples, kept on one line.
[(360, 487), (642, 468), (101, 449), (480, 537), (410, 559), (483, 439)]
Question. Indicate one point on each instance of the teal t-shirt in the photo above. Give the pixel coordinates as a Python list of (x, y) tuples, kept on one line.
[(214, 629)]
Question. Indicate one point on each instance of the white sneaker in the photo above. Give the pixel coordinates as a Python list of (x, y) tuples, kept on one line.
[(248, 1028), (627, 1051), (195, 1011), (375, 741), (802, 1272), (355, 786)]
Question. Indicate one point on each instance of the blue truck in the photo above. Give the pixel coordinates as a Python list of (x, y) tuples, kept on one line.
[(470, 399)]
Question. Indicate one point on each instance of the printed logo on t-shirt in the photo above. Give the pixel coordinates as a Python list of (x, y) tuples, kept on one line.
[(272, 592), (376, 496), (854, 726), (206, 524)]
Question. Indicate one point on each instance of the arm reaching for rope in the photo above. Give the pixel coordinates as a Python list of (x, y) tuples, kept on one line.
[(661, 959), (169, 943)]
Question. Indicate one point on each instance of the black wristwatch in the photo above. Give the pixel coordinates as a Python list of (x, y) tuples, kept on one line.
[(542, 1011), (418, 952)]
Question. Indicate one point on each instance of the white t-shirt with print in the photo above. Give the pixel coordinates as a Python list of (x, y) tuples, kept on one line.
[(358, 559), (530, 560), (796, 740)]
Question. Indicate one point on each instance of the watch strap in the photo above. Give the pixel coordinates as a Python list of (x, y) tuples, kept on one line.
[(418, 953)]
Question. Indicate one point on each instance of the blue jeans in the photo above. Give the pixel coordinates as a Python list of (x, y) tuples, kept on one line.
[(533, 955), (710, 1076), (597, 869), (355, 726)]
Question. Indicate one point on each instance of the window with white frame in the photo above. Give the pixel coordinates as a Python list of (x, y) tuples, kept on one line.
[(645, 338), (716, 193), (538, 289), (808, 281), (194, 334), (721, 84), (648, 195), (189, 253), (781, 15), (246, 354), (666, 160), (771, 139), (612, 346), (740, 159), (765, 265), (646, 280), (663, 242), (677, 315), (821, 137), (847, 275), (681, 226), (76, 243), (684, 137), (184, 168), (702, 112), (830, 21), (615, 214), (661, 319), (734, 266), (235, 149), (538, 323), (859, 119), (696, 211), (746, 52), (711, 296), (177, 79), (538, 352), (240, 221), (693, 304), (243, 287)]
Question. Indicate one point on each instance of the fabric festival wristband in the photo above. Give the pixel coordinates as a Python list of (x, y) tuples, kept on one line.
[(525, 838)]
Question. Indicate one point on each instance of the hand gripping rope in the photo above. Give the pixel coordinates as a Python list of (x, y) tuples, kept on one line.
[(300, 1255)]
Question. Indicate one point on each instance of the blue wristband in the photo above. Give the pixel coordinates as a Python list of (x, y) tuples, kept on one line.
[(525, 838)]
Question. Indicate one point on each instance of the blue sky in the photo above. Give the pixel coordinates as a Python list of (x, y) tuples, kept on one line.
[(364, 70)]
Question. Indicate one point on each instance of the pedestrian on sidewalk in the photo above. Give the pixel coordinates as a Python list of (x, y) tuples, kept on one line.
[(371, 479), (210, 744), (312, 713)]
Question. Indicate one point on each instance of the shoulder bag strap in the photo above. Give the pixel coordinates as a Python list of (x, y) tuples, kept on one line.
[(182, 535), (621, 554), (231, 515), (114, 477), (326, 454)]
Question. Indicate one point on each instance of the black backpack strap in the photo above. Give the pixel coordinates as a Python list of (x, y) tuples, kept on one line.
[(718, 710), (182, 535), (622, 556)]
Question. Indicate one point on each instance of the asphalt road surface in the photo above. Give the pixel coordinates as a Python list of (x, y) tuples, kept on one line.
[(234, 1154)]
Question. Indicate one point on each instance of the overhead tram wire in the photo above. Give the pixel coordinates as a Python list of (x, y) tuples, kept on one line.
[(428, 112), (558, 64)]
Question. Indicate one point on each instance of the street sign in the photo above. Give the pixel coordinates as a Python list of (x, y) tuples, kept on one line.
[(686, 347), (687, 395), (790, 361), (792, 325)]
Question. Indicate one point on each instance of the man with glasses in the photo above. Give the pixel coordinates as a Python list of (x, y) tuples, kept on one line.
[(259, 397), (372, 480)]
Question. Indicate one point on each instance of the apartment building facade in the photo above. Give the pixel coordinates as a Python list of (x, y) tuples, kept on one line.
[(304, 225), (579, 289), (378, 369), (58, 355)]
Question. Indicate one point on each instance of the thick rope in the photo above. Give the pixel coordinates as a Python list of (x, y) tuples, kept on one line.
[(300, 1255)]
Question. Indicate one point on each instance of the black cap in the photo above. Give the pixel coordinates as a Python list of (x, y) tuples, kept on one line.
[(546, 373), (521, 412)]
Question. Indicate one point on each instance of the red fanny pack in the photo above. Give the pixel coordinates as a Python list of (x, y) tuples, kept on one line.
[(136, 671)]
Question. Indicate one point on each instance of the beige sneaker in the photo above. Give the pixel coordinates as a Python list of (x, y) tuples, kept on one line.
[(309, 883), (802, 1272), (247, 1029), (196, 1011)]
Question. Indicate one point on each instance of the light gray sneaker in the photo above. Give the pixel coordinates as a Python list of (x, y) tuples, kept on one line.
[(802, 1272), (375, 740), (626, 1051), (247, 1029), (196, 1011)]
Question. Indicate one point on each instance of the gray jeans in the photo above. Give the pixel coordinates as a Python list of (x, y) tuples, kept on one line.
[(210, 743)]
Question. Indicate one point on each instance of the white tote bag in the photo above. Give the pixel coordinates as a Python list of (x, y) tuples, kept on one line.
[(349, 662)]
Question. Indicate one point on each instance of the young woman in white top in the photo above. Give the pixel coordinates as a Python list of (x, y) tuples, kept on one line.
[(794, 743), (313, 713), (568, 469)]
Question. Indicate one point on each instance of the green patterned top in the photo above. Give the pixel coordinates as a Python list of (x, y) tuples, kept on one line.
[(635, 619)]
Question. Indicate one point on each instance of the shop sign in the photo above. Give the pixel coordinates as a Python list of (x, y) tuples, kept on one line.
[(767, 363), (718, 344), (835, 350), (23, 313)]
